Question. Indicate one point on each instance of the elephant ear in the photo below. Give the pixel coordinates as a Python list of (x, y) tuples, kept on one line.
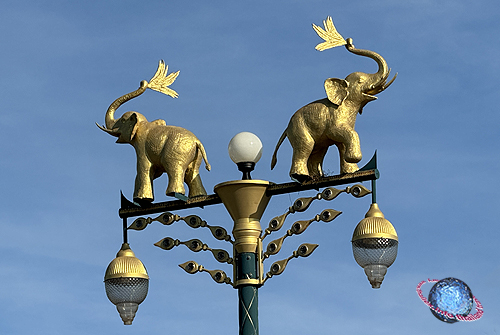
[(129, 128), (336, 90)]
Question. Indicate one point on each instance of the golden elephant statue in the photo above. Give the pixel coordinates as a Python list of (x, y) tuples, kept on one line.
[(330, 121), (159, 148)]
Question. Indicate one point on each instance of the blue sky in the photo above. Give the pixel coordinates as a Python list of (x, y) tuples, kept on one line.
[(245, 67)]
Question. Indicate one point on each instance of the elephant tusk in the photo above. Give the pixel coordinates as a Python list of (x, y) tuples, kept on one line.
[(381, 85), (384, 79), (390, 82), (109, 131)]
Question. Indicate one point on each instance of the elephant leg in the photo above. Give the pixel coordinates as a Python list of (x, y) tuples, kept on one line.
[(352, 147), (175, 172), (315, 162), (302, 145), (143, 190), (193, 179), (345, 167)]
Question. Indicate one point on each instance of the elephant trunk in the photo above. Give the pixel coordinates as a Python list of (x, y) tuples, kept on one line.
[(110, 113), (383, 70), (380, 77)]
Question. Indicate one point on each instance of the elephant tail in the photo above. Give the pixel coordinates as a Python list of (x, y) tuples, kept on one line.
[(274, 160), (203, 154)]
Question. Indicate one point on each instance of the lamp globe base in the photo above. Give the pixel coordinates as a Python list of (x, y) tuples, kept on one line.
[(375, 274), (127, 311)]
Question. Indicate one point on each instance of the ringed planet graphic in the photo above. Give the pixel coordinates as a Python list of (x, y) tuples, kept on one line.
[(451, 300)]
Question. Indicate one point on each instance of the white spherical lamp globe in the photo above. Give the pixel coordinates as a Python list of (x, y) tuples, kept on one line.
[(245, 147)]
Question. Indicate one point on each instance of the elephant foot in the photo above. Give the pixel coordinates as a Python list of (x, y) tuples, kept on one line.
[(194, 184), (172, 189), (143, 202), (175, 194), (348, 168), (352, 154), (199, 194), (179, 196), (301, 178), (354, 157), (192, 193), (197, 191)]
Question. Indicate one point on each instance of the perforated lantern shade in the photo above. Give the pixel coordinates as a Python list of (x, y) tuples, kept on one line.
[(375, 245), (126, 282)]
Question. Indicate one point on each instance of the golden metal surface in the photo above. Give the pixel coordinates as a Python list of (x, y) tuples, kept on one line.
[(302, 204), (159, 148), (304, 250), (330, 121), (218, 276), (329, 34), (245, 200), (161, 81), (298, 227), (126, 265), (195, 245), (374, 225)]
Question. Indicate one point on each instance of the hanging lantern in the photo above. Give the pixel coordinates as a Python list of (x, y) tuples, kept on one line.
[(126, 282), (375, 245)]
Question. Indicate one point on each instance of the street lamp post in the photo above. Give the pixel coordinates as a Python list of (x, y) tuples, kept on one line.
[(374, 239), (246, 200), (178, 152)]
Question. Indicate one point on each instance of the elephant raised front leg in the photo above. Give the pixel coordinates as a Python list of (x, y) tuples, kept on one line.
[(345, 167), (351, 152)]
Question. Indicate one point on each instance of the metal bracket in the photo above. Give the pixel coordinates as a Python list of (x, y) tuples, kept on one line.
[(278, 267), (218, 276)]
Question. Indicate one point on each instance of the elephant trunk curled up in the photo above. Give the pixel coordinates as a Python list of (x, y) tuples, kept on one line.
[(159, 149), (330, 121)]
